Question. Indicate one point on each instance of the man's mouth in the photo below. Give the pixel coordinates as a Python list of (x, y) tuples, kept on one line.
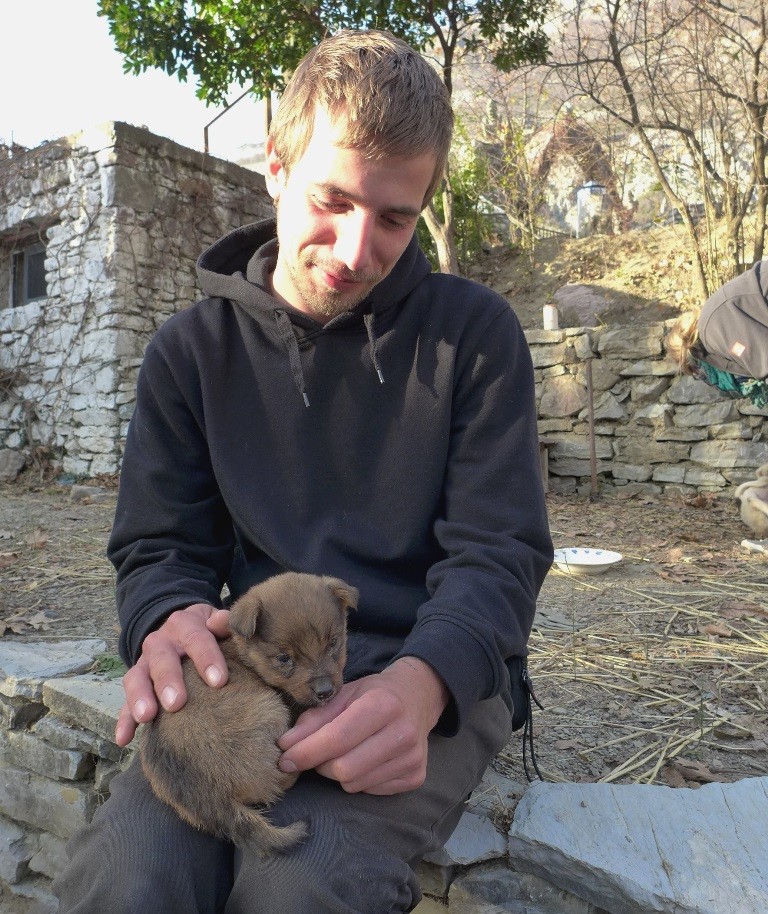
[(336, 282), (340, 280)]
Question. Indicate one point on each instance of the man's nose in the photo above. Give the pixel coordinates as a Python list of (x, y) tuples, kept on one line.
[(354, 241)]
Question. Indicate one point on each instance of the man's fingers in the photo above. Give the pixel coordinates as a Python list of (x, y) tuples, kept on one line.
[(198, 643), (139, 693), (163, 665), (340, 736), (379, 765), (311, 721), (218, 623), (126, 726)]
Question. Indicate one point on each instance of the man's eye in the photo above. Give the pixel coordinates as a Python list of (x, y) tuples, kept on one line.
[(329, 205), (396, 223)]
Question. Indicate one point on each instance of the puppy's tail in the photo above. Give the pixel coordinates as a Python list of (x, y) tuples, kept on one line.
[(247, 826)]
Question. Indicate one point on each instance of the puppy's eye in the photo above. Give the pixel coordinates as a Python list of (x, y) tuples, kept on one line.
[(334, 642), (284, 661)]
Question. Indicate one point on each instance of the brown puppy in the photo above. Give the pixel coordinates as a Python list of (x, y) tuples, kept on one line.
[(216, 759)]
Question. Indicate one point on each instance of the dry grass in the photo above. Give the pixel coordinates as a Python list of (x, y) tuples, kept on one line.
[(657, 671)]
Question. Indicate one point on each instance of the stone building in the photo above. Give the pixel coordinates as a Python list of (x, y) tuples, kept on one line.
[(99, 234)]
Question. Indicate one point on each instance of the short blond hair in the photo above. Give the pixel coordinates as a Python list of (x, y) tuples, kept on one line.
[(683, 342), (388, 100)]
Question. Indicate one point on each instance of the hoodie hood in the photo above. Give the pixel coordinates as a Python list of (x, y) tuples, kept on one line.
[(733, 325), (238, 268), (239, 265)]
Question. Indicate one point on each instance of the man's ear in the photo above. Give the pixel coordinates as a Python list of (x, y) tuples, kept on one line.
[(274, 174)]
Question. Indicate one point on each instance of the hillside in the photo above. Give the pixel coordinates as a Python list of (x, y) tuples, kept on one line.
[(642, 275)]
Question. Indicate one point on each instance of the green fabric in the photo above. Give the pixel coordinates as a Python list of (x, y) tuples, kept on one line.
[(735, 386)]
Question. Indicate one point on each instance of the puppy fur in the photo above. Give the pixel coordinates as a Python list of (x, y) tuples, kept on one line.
[(215, 760)]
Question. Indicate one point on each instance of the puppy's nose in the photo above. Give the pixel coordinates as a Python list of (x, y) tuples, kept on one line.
[(322, 689)]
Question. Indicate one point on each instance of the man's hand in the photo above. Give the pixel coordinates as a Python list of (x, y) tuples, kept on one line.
[(157, 674), (372, 736)]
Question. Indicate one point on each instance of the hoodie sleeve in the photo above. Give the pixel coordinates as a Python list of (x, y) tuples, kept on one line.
[(493, 530), (172, 540)]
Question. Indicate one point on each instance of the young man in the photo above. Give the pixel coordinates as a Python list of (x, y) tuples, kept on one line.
[(334, 408)]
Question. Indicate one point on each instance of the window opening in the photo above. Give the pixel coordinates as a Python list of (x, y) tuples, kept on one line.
[(29, 282)]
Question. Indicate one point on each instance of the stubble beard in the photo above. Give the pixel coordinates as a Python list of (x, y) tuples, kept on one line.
[(323, 301)]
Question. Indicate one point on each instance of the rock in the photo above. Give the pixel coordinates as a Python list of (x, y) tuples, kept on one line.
[(562, 396), (640, 342), (61, 808), (16, 850), (580, 305), (636, 849), (91, 702), (11, 464), (497, 890), (23, 750), (25, 666), (87, 494), (474, 841)]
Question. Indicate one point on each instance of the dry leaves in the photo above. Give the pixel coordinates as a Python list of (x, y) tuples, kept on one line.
[(717, 629), (24, 623), (741, 609), (38, 538), (683, 772)]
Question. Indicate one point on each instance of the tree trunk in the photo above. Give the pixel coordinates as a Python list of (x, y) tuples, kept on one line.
[(442, 232)]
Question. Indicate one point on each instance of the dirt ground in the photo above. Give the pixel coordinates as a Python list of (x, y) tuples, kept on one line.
[(654, 672), (642, 275)]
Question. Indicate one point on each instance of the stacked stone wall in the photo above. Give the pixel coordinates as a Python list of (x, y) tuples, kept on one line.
[(124, 215), (57, 757), (654, 430)]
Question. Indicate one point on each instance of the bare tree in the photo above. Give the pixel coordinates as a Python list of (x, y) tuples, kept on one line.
[(689, 79)]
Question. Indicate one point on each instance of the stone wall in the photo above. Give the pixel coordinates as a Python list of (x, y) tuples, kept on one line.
[(654, 430), (57, 758), (124, 215)]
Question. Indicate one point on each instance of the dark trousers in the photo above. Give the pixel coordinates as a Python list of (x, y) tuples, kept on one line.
[(138, 856)]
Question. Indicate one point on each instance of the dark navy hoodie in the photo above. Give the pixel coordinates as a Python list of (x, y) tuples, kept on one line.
[(394, 447)]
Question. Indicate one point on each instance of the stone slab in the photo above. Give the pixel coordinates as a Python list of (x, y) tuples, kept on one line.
[(635, 849), (61, 808), (89, 702), (23, 750), (16, 850), (474, 840), (494, 889), (24, 666), (57, 733)]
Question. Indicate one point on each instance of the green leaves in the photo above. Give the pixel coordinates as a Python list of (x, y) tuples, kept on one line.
[(226, 43)]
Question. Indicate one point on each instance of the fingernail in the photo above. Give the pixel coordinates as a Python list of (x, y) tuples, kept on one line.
[(213, 675), (169, 697), (140, 709), (287, 766)]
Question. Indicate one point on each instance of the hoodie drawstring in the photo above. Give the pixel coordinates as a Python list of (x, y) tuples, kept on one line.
[(285, 329), (287, 335), (368, 319)]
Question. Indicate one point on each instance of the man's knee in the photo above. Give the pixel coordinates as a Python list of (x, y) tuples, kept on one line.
[(343, 866), (138, 856)]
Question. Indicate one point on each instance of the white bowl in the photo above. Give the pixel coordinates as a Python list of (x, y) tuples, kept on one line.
[(577, 560)]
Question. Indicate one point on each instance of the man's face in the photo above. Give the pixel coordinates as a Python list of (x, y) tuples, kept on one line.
[(342, 220)]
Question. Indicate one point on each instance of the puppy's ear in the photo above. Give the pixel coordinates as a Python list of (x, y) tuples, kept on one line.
[(245, 613), (346, 594)]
